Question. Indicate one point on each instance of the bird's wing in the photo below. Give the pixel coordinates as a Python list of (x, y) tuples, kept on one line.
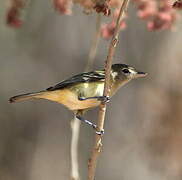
[(80, 78)]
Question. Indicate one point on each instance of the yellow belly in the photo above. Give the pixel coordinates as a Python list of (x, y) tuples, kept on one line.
[(69, 99)]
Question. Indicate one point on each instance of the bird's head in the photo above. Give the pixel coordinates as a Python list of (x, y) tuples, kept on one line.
[(123, 72)]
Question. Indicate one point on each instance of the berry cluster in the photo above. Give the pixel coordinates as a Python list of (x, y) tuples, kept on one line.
[(158, 14), (13, 17), (107, 30), (63, 6), (177, 4)]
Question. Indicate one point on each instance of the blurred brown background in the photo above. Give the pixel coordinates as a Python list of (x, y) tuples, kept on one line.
[(143, 139)]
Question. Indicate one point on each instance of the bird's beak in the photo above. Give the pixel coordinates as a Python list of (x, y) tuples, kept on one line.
[(141, 74)]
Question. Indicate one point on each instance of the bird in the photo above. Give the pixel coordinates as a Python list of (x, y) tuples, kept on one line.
[(84, 91)]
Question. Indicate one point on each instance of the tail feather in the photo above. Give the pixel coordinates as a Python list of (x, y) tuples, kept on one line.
[(26, 96)]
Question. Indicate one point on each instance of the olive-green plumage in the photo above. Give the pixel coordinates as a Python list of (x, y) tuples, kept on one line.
[(84, 85)]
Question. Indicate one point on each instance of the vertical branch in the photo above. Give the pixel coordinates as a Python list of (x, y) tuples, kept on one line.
[(75, 129), (75, 123), (95, 42), (102, 108)]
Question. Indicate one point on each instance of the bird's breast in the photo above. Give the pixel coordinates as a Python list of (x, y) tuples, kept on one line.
[(69, 99)]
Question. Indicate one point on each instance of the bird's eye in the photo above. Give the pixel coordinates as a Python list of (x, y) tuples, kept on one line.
[(126, 71)]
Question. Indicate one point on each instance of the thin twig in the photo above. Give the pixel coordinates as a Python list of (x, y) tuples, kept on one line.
[(75, 129), (102, 108), (95, 42), (75, 123)]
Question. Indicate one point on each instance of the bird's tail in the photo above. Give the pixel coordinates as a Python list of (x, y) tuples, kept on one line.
[(26, 96)]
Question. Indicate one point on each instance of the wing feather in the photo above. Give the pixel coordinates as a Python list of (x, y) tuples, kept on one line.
[(80, 78)]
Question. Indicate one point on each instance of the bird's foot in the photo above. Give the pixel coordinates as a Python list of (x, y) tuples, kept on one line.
[(94, 126), (100, 133), (104, 99)]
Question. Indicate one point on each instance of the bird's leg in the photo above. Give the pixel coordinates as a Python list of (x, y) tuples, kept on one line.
[(99, 98), (90, 124)]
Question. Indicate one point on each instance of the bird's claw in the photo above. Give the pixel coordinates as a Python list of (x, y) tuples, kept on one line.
[(104, 99), (81, 98), (100, 133)]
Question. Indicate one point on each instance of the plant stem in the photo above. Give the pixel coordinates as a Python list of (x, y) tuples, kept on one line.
[(75, 129), (102, 108), (95, 42), (75, 123)]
